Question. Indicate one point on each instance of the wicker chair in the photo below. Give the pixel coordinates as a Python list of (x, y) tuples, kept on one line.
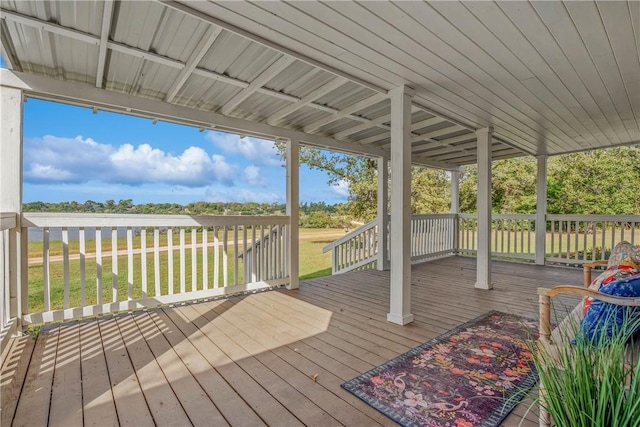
[(549, 338)]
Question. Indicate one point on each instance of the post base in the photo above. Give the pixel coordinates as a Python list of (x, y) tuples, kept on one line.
[(399, 319)]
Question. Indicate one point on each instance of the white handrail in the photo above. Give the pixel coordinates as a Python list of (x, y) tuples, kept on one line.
[(350, 235), (433, 236), (33, 219)]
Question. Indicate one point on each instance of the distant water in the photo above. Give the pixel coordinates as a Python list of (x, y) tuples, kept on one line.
[(35, 234)]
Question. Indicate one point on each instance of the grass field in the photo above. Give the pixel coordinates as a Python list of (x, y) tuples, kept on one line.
[(313, 263)]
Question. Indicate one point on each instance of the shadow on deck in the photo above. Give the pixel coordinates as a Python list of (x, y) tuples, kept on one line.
[(247, 360)]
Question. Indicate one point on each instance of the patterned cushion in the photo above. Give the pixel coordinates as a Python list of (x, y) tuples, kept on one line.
[(622, 251), (610, 318), (627, 268)]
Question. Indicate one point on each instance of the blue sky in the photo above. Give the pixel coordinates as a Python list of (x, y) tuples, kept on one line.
[(72, 154)]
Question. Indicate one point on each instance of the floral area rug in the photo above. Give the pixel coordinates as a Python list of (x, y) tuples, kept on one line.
[(471, 376)]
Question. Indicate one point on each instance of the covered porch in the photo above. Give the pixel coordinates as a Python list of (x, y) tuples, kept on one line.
[(443, 84), (249, 360)]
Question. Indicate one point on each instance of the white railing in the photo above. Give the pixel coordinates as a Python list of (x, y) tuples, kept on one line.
[(512, 236), (356, 250), (575, 239), (87, 264), (7, 318), (432, 236)]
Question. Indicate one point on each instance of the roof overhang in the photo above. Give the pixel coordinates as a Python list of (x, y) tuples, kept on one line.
[(320, 72)]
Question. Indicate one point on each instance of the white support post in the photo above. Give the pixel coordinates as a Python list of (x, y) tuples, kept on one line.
[(383, 213), (293, 205), (455, 205), (400, 286), (541, 210), (483, 279), (11, 124)]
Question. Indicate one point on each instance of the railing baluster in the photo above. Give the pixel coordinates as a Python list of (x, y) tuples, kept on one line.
[(235, 255), (216, 257), (205, 259), (604, 232), (577, 235), (194, 260), (45, 269), (114, 264), (99, 265), (83, 277), (613, 234), (170, 260), (143, 261), (225, 257), (594, 231), (129, 263), (156, 261), (254, 256), (183, 286), (263, 255), (245, 277), (65, 261)]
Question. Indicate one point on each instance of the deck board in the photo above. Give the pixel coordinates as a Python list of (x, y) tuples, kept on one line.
[(249, 360)]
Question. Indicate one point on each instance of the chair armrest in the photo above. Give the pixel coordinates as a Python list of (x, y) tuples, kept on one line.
[(586, 269), (545, 294)]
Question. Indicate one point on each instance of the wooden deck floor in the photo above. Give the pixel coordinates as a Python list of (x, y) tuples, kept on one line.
[(247, 361)]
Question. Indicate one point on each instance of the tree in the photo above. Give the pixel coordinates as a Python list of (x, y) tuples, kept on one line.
[(595, 182), (430, 188), (513, 188)]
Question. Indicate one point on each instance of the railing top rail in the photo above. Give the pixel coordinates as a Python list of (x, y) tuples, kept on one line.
[(500, 216), (617, 218), (8, 220), (350, 235), (433, 216), (46, 219)]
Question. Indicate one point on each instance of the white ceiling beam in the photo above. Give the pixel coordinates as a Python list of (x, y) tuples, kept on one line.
[(52, 28), (459, 138), (306, 100), (88, 96), (364, 126), (436, 133), (275, 68), (376, 138), (383, 119), (347, 111), (268, 43), (194, 59), (426, 123), (107, 16)]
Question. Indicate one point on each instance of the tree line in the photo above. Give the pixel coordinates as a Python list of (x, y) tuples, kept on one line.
[(603, 182), (126, 206)]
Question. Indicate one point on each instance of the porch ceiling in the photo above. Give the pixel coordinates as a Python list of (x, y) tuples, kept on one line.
[(549, 77)]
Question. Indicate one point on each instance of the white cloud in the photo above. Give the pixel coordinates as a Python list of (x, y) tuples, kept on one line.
[(79, 160), (257, 151), (252, 176), (341, 188)]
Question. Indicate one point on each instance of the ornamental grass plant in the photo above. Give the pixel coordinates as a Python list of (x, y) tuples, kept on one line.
[(592, 381)]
